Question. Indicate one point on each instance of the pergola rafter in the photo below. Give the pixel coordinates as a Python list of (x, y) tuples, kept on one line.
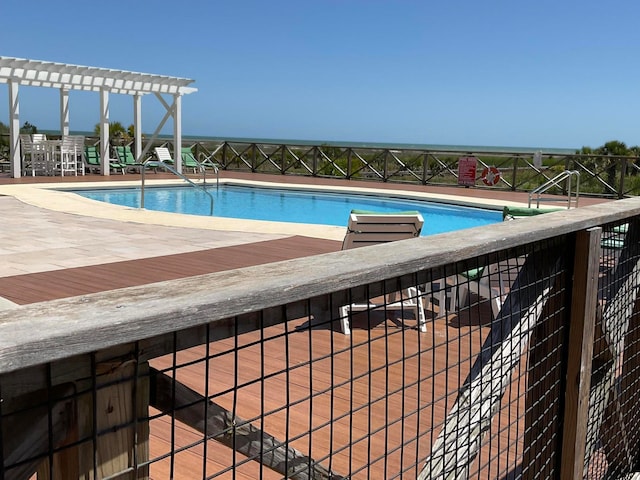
[(65, 77)]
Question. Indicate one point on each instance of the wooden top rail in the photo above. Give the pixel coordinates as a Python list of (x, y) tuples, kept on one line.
[(40, 333)]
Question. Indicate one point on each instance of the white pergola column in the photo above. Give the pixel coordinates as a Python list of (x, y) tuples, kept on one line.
[(104, 131), (64, 111), (137, 126), (14, 130), (177, 131)]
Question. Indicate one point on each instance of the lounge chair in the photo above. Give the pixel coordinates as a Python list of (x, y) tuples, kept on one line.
[(371, 228), (163, 155), (189, 161), (125, 157), (92, 161), (511, 213)]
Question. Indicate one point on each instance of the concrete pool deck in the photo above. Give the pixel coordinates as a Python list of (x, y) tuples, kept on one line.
[(45, 230)]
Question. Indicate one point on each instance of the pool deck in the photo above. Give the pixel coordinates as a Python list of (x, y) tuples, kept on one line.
[(57, 244)]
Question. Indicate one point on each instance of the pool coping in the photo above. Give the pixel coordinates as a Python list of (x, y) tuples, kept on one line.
[(57, 197)]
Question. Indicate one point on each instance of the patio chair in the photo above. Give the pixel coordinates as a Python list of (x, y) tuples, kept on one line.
[(92, 161), (78, 144), (25, 152), (66, 158), (163, 155), (34, 156), (371, 228), (481, 281), (125, 157), (189, 161)]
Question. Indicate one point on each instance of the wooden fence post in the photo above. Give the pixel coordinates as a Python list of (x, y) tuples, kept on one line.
[(580, 352)]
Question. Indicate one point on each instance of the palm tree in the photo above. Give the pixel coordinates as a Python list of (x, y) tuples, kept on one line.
[(117, 133), (615, 149), (28, 128)]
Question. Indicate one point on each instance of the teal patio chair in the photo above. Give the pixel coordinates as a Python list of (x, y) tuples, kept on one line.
[(92, 161), (189, 161), (125, 157)]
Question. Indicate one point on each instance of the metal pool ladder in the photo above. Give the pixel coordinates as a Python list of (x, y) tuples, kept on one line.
[(567, 175), (166, 166)]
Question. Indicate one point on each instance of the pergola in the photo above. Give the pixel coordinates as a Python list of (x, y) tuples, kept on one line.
[(18, 71)]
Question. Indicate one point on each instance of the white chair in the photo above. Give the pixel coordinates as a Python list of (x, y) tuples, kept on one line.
[(38, 137), (444, 292), (25, 152), (163, 155), (78, 148), (370, 228), (34, 155), (67, 157), (482, 282)]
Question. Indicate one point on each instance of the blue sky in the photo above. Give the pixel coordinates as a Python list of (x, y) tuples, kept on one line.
[(549, 73)]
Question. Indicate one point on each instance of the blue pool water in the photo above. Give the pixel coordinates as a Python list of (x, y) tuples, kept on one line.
[(296, 206)]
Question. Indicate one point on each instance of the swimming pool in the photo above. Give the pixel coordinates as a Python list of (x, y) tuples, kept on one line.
[(297, 206)]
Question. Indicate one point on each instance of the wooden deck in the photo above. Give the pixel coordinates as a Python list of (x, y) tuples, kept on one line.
[(329, 374)]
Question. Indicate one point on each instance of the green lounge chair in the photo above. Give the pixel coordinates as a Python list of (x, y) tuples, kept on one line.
[(125, 157), (92, 161), (510, 213), (189, 161)]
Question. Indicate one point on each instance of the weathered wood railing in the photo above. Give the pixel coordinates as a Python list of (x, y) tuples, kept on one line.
[(247, 371)]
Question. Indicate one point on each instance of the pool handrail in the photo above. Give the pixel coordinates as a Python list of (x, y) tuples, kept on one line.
[(154, 163)]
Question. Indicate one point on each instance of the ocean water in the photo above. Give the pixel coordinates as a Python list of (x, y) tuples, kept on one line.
[(333, 143), (398, 146)]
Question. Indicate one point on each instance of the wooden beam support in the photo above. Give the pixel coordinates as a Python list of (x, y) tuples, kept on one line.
[(468, 421)]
